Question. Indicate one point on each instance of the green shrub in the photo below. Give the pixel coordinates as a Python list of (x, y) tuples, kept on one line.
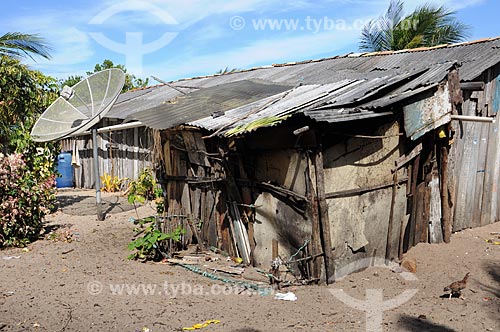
[(27, 194), (148, 246)]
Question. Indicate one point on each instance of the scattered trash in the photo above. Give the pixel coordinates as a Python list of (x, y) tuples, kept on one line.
[(36, 325), (25, 250), (285, 296), (229, 270), (61, 235), (409, 264), (397, 269), (486, 299), (493, 242), (202, 325), (238, 260), (10, 257), (9, 293), (144, 329)]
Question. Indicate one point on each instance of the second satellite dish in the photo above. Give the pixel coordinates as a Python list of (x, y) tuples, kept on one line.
[(80, 107)]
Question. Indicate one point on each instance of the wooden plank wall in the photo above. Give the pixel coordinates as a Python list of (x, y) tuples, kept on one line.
[(475, 159), (121, 153), (194, 198)]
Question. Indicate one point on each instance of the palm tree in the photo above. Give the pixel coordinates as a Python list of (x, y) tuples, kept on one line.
[(19, 45), (226, 71), (426, 26)]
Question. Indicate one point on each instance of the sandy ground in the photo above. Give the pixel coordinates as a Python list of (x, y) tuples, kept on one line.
[(75, 286)]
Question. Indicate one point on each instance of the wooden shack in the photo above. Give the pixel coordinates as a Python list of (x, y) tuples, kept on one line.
[(332, 164)]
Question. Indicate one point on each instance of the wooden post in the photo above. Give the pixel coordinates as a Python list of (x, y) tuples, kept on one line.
[(246, 196), (445, 201), (388, 246), (275, 249), (324, 220), (315, 223), (95, 148), (413, 218)]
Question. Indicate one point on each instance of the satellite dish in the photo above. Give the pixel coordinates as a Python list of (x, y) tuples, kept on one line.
[(80, 107)]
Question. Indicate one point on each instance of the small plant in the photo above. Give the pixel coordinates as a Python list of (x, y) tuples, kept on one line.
[(148, 246), (146, 188), (110, 183)]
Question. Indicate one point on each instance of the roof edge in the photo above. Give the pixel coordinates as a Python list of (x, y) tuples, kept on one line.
[(348, 55)]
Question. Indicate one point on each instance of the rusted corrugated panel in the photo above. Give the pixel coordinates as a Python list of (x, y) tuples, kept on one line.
[(333, 116), (474, 57), (427, 114), (288, 102), (186, 108)]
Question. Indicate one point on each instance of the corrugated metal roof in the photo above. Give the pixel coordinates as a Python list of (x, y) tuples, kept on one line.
[(371, 75), (279, 105), (327, 102), (204, 102)]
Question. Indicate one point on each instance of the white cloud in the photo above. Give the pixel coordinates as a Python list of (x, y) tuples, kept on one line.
[(69, 45), (259, 52), (409, 5), (189, 11), (74, 50)]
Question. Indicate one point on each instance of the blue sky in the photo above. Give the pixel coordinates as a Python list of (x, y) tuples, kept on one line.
[(177, 39)]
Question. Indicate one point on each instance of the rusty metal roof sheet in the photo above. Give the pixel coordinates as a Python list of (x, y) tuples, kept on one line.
[(203, 102), (346, 100), (404, 73)]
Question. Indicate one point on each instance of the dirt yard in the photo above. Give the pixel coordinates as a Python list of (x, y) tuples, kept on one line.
[(87, 284)]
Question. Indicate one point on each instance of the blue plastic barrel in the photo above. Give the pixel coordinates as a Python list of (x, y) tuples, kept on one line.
[(65, 169)]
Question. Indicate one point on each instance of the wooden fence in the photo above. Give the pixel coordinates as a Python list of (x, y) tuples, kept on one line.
[(122, 153)]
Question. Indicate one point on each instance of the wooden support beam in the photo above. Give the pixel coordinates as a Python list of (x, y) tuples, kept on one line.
[(472, 118), (472, 86), (407, 158), (445, 197), (324, 220), (313, 216), (274, 249), (359, 191), (388, 246), (413, 218)]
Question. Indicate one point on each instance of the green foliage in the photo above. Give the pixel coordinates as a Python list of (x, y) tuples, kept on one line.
[(71, 80), (27, 194), (19, 45), (227, 71), (145, 188), (148, 245), (26, 168), (131, 81), (426, 26), (24, 95)]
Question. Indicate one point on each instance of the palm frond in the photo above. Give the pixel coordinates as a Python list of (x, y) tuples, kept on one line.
[(378, 35), (426, 26), (18, 45)]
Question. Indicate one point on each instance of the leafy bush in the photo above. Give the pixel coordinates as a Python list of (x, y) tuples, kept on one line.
[(27, 177), (148, 246), (145, 188), (27, 194), (150, 239), (24, 93)]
